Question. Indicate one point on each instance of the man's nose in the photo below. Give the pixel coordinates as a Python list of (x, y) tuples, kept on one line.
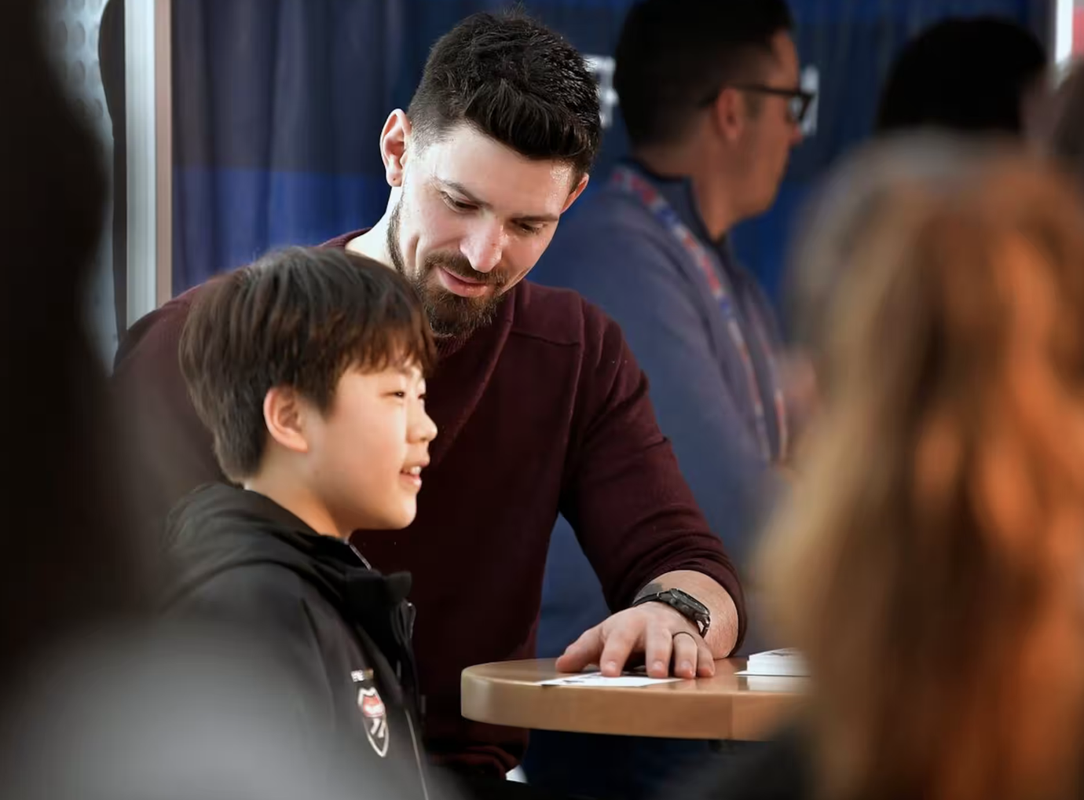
[(484, 246)]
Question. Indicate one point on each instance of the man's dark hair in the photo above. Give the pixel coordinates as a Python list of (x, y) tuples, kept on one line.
[(967, 75), (516, 81), (672, 55), (298, 317)]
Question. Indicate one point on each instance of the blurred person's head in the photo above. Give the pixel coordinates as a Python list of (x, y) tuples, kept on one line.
[(975, 75), (494, 147), (70, 561), (828, 226), (308, 367), (930, 561), (833, 221), (712, 90)]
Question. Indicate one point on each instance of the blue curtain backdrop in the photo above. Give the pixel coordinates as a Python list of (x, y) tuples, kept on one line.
[(278, 107)]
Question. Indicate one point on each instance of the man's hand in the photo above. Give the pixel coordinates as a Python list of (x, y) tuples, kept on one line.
[(662, 634)]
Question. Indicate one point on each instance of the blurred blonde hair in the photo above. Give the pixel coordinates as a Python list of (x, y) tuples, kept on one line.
[(924, 563)]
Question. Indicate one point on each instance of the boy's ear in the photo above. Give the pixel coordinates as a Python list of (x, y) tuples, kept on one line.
[(284, 415)]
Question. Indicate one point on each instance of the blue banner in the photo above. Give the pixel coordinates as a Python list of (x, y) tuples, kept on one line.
[(278, 107)]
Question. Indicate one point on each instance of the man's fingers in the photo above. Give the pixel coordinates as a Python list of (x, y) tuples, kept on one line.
[(705, 660), (582, 652), (659, 633), (660, 644), (686, 649), (619, 644)]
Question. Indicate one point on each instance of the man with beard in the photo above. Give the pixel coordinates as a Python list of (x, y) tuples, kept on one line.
[(541, 406)]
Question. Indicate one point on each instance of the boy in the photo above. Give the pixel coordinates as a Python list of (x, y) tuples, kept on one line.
[(308, 368)]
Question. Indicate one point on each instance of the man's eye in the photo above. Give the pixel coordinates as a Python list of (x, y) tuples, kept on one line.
[(458, 205), (530, 229)]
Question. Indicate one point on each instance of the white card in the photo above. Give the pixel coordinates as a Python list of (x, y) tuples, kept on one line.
[(597, 679)]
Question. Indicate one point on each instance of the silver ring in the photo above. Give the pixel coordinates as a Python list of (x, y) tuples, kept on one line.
[(686, 633)]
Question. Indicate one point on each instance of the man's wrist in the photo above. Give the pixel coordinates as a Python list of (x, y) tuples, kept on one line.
[(651, 589), (680, 601)]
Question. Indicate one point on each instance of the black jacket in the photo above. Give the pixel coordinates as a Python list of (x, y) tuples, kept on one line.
[(340, 627)]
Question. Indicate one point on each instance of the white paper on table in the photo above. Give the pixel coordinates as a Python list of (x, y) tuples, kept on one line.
[(598, 679), (781, 662)]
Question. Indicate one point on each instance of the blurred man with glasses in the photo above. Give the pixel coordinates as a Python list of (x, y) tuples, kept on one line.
[(711, 96)]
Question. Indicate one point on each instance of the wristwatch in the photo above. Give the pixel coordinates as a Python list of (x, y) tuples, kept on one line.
[(682, 602)]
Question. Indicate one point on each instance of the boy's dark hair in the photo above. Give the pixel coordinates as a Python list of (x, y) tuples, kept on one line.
[(298, 317), (672, 56), (962, 74), (516, 81)]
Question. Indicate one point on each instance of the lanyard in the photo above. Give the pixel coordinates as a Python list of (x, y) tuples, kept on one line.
[(633, 184)]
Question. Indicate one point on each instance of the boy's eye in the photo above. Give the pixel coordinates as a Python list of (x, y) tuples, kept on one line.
[(530, 229)]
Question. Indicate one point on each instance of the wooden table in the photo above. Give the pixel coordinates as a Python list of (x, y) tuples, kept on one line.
[(722, 707)]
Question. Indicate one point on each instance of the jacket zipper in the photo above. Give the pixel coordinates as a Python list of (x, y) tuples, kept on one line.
[(361, 558), (405, 617)]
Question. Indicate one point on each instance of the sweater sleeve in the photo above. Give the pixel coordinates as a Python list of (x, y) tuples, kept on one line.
[(694, 402), (633, 513)]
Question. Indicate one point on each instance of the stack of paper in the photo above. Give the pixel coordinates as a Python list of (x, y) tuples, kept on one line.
[(785, 662)]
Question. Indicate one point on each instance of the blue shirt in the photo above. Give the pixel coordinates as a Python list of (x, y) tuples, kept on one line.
[(619, 256)]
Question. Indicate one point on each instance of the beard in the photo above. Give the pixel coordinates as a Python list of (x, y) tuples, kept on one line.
[(449, 314)]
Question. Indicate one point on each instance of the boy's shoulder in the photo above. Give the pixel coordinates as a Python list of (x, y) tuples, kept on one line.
[(224, 538), (241, 558), (257, 594)]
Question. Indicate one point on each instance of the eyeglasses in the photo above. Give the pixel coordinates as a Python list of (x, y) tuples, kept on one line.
[(798, 100)]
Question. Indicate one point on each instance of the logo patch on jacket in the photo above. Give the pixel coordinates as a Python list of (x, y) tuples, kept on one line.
[(374, 715)]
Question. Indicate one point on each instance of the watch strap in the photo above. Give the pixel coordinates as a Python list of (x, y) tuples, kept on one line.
[(682, 602)]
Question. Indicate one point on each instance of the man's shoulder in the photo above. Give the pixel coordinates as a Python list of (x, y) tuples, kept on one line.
[(343, 239), (558, 316), (177, 307), (164, 324), (161, 326), (606, 212), (608, 241)]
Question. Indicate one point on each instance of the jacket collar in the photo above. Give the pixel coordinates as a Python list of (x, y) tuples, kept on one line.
[(217, 525)]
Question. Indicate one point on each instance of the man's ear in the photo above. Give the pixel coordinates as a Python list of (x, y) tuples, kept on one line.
[(284, 413), (575, 193), (394, 146), (729, 114)]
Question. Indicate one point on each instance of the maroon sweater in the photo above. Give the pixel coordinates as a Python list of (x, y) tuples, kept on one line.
[(543, 411)]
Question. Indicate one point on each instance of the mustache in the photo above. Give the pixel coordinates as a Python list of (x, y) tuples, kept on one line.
[(458, 265)]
